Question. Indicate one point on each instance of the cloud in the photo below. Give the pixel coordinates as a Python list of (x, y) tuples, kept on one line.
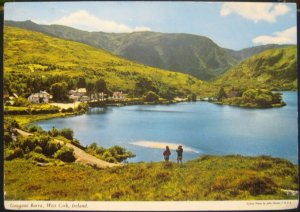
[(288, 36), (255, 11), (81, 19)]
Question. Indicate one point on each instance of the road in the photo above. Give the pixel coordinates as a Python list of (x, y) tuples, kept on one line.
[(81, 156)]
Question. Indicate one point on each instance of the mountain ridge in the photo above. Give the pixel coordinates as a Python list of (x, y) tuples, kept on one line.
[(195, 55)]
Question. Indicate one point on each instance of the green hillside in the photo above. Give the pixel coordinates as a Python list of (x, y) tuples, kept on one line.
[(204, 178), (274, 69), (195, 55), (34, 61)]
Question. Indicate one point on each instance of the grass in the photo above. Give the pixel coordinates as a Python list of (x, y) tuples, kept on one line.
[(274, 69), (206, 178), (25, 120), (47, 56)]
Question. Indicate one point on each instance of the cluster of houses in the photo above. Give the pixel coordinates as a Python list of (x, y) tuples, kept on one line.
[(77, 95), (80, 94), (41, 97)]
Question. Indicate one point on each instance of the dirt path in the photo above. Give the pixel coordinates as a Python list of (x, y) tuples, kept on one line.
[(81, 156)]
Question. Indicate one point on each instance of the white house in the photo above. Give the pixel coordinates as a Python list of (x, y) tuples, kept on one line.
[(78, 92), (118, 96), (41, 97)]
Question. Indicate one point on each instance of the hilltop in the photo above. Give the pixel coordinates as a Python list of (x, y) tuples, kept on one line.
[(34, 61), (195, 55), (274, 69)]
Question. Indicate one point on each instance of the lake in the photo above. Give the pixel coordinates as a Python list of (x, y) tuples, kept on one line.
[(200, 127)]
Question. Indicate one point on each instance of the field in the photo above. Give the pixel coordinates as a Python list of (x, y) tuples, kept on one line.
[(230, 177)]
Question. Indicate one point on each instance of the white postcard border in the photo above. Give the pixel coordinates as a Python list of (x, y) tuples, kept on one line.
[(152, 206)]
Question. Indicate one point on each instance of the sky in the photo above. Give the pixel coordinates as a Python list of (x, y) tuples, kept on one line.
[(231, 25)]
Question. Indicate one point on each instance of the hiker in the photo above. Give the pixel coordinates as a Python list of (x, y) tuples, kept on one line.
[(167, 154), (179, 154)]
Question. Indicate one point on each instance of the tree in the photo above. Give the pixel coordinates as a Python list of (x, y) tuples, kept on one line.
[(90, 88), (167, 92), (151, 97), (277, 98), (59, 91), (143, 85), (263, 100), (221, 94), (81, 83), (100, 86), (192, 97), (249, 95)]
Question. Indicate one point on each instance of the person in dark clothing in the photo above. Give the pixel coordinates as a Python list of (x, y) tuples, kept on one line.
[(167, 154), (179, 154)]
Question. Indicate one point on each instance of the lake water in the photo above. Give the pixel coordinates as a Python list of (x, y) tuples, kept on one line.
[(201, 127)]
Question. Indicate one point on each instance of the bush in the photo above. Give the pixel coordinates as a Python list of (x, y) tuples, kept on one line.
[(21, 102), (192, 97), (54, 132), (51, 148), (83, 107), (28, 144), (38, 149), (65, 154), (120, 153), (111, 160), (38, 157), (258, 185), (34, 128), (68, 110), (67, 133), (7, 138), (12, 154), (151, 97)]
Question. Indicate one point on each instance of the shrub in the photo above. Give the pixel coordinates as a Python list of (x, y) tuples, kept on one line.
[(38, 157), (51, 148), (82, 107), (65, 154), (34, 128), (151, 97), (67, 133), (28, 144), (192, 97), (38, 149), (120, 153), (258, 185), (111, 160), (54, 132), (21, 102), (42, 141), (7, 138), (12, 154)]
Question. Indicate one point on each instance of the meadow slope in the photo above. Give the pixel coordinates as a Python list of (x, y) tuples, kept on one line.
[(231, 177), (29, 53)]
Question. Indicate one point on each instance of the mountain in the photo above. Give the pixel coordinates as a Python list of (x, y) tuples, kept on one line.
[(30, 54), (195, 55), (275, 69), (248, 52)]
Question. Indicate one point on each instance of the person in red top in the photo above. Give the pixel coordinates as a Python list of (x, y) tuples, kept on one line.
[(167, 154)]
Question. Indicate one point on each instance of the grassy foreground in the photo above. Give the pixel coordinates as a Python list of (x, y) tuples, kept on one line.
[(230, 177)]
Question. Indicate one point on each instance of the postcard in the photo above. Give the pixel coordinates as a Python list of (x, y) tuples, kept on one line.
[(150, 106)]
